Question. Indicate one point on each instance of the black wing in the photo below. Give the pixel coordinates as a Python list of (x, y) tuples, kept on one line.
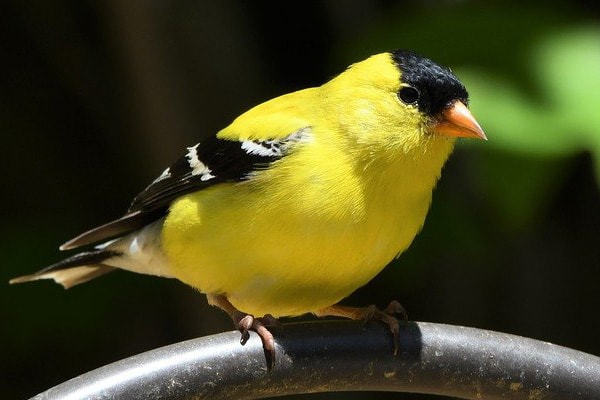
[(209, 163)]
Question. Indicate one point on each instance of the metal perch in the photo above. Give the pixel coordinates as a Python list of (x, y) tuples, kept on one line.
[(327, 356)]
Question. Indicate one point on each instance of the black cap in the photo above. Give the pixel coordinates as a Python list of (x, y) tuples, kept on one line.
[(438, 87)]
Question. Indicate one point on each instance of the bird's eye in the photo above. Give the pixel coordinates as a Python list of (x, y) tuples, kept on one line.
[(408, 95)]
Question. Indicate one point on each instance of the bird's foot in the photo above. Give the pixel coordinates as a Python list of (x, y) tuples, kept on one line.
[(391, 316), (245, 323)]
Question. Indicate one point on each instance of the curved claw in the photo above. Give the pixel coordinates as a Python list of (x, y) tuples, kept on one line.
[(397, 309), (246, 322), (397, 312), (388, 316), (259, 325)]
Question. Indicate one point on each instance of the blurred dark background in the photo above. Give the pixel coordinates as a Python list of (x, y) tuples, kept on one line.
[(97, 98)]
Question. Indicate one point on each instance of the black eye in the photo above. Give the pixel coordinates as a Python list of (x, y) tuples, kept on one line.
[(408, 95)]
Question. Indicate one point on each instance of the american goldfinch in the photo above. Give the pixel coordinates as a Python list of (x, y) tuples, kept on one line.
[(298, 202)]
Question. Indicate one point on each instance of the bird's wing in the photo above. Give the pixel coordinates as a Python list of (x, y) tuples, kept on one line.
[(211, 162)]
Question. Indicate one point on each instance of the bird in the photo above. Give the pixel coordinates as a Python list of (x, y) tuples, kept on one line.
[(296, 203)]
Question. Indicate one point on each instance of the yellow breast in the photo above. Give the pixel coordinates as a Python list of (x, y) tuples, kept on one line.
[(289, 243)]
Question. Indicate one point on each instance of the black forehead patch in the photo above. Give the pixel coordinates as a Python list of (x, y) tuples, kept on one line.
[(438, 86)]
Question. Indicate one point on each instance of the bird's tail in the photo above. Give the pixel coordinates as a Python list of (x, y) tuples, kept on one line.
[(74, 270)]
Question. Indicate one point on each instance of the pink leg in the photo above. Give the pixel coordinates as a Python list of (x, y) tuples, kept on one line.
[(247, 322)]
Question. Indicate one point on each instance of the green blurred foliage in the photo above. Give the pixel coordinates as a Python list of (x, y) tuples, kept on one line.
[(562, 119), (96, 98), (542, 131)]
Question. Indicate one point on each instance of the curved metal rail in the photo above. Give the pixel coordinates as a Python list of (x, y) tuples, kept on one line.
[(327, 356)]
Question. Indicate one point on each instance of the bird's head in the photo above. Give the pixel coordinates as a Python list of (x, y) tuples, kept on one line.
[(404, 99), (437, 95)]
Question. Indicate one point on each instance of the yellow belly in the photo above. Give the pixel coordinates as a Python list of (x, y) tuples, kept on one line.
[(298, 257), (289, 243)]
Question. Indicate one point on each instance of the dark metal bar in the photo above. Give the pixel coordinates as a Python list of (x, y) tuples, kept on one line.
[(347, 356)]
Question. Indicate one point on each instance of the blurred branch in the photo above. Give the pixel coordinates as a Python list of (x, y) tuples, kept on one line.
[(329, 356)]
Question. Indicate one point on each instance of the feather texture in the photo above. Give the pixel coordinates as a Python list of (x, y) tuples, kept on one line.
[(300, 200)]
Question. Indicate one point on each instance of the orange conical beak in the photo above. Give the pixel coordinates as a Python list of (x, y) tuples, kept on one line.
[(457, 121)]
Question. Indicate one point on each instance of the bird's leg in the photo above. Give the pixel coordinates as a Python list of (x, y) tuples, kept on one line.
[(389, 316), (245, 323)]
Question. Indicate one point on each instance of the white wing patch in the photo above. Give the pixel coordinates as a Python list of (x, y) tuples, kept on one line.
[(275, 147), (165, 175), (197, 166), (267, 148)]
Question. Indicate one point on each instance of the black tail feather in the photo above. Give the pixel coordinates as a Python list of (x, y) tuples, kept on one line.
[(93, 257), (74, 270)]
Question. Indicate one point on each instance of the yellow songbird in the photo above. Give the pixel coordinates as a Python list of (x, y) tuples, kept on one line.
[(297, 203)]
